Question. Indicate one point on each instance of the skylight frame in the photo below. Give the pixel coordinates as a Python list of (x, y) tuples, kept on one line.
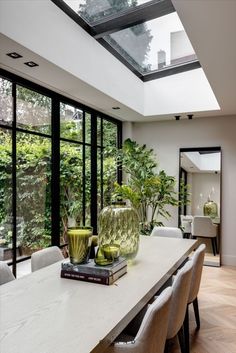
[(125, 19)]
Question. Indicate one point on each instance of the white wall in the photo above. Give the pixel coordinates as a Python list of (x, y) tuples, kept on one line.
[(167, 137)]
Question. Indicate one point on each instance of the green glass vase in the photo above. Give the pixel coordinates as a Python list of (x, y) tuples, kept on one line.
[(210, 209), (79, 243), (119, 224)]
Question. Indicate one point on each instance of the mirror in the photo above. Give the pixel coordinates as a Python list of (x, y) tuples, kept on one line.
[(200, 218)]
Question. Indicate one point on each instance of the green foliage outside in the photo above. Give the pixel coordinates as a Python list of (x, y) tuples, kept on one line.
[(34, 186), (149, 192), (33, 171)]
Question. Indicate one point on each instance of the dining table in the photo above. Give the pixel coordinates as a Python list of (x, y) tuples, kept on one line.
[(44, 313)]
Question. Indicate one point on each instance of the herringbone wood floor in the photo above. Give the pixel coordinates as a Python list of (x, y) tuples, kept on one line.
[(217, 305)]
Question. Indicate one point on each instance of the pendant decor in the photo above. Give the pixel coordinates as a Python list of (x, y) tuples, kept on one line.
[(119, 224)]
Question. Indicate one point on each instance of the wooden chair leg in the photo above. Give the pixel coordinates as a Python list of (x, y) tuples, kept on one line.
[(186, 330), (213, 246), (196, 312), (181, 340)]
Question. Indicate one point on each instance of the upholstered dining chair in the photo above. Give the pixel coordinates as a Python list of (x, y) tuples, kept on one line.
[(179, 300), (197, 260), (186, 225), (170, 232), (5, 273), (151, 335), (45, 257), (203, 227)]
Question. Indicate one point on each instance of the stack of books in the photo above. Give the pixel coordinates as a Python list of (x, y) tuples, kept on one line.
[(91, 272)]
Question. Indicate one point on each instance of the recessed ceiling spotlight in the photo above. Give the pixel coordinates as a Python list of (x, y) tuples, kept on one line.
[(190, 116), (177, 117), (116, 108), (31, 64), (14, 55)]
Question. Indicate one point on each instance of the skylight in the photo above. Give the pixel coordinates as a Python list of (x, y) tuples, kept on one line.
[(147, 36), (97, 10)]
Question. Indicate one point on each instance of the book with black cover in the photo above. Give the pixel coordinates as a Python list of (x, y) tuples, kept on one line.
[(95, 278), (91, 268)]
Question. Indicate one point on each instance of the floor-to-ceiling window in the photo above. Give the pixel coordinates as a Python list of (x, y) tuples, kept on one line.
[(56, 166)]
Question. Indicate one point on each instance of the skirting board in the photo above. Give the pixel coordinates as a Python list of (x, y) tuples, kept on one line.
[(228, 260)]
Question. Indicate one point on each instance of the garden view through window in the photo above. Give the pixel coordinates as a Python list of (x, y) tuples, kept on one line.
[(30, 152)]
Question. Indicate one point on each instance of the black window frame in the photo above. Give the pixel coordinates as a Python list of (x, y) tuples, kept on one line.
[(56, 99)]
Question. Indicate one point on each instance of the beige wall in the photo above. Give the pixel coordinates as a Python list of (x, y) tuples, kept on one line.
[(202, 186), (167, 137)]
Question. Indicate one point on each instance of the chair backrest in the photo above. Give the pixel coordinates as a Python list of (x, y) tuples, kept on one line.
[(197, 259), (5, 273), (169, 232), (186, 223), (181, 287), (45, 257), (202, 226), (151, 336)]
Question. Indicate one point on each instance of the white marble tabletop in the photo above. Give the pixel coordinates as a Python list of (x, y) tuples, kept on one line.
[(43, 313)]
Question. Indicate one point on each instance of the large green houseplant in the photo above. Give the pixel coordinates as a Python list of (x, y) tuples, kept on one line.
[(149, 192)]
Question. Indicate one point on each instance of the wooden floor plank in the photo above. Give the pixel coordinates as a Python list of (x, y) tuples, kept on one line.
[(217, 306)]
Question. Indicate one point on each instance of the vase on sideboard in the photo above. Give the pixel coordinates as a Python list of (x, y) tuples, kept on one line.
[(210, 208)]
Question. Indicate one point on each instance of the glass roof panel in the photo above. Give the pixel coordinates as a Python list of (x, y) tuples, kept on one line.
[(154, 45), (97, 10)]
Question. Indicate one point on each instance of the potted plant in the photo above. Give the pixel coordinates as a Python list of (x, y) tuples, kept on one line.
[(150, 192)]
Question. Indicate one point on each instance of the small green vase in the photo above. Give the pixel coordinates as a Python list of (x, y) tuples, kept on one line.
[(119, 224), (79, 240)]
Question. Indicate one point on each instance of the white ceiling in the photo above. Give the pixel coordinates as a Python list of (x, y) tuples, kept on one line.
[(211, 27), (194, 162)]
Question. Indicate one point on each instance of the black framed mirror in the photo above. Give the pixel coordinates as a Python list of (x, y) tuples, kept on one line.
[(200, 214)]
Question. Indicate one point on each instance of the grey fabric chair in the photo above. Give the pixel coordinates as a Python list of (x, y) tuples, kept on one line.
[(45, 257), (170, 232), (5, 273), (203, 227), (151, 335), (186, 225), (180, 295), (197, 260)]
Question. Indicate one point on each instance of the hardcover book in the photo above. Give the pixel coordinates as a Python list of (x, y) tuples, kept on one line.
[(91, 268), (95, 278)]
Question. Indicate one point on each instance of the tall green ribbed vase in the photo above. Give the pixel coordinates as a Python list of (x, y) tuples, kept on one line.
[(119, 224)]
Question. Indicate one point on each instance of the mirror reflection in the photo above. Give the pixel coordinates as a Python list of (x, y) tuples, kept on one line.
[(200, 169)]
